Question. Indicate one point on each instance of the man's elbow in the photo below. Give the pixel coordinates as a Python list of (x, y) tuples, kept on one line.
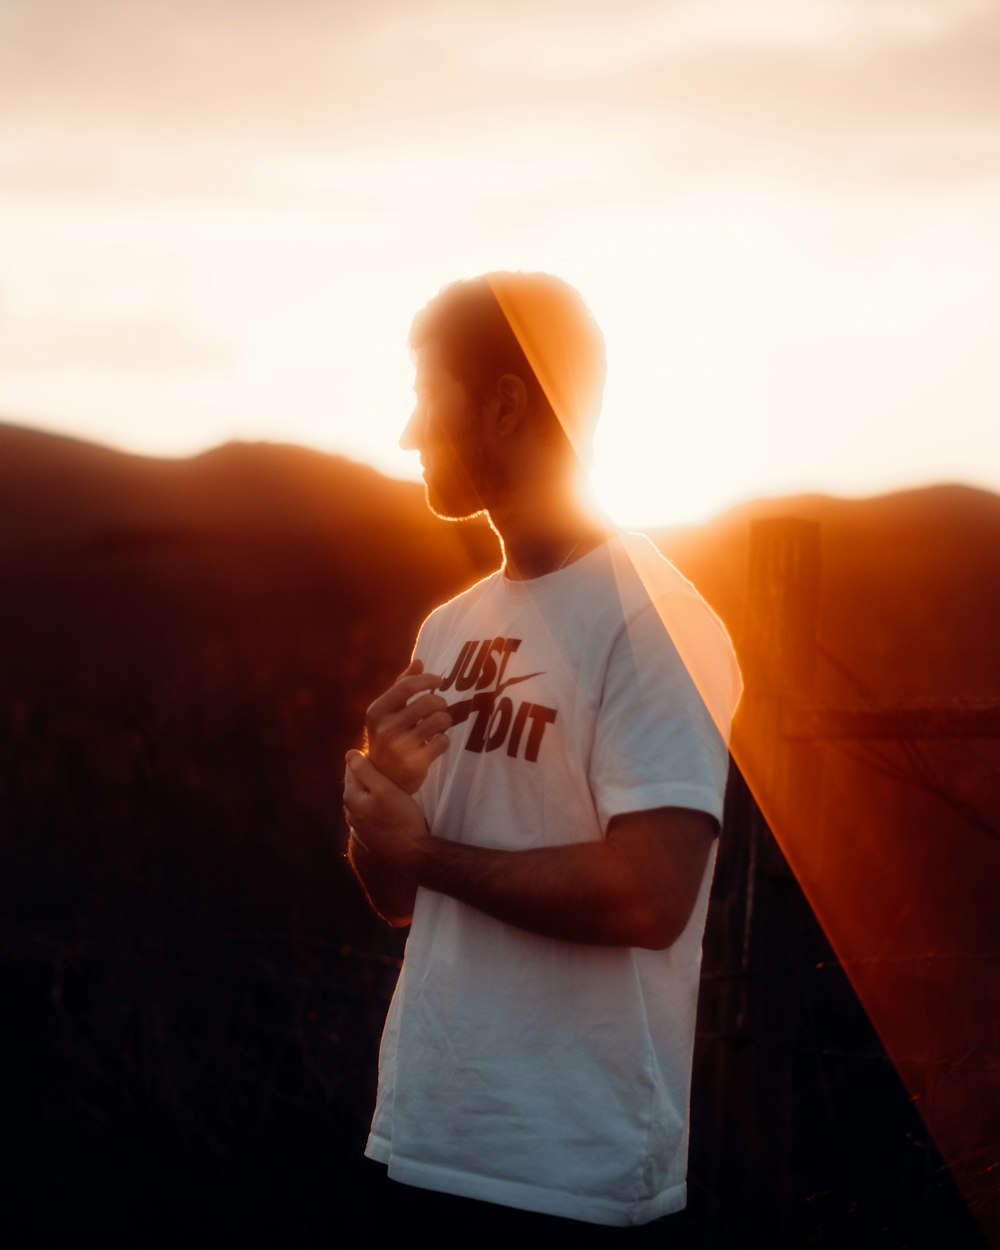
[(665, 853), (658, 937), (655, 928), (391, 911)]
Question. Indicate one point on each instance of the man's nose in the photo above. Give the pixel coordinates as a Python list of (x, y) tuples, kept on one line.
[(409, 440)]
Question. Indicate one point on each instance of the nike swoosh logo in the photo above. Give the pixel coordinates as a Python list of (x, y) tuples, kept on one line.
[(459, 711), (512, 681)]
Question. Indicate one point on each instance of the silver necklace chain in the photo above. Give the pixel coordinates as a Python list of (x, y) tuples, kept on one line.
[(569, 554)]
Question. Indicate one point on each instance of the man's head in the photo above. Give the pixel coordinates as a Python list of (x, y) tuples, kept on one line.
[(510, 370)]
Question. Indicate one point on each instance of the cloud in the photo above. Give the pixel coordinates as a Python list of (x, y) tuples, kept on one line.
[(194, 93), (320, 67), (167, 68), (140, 344)]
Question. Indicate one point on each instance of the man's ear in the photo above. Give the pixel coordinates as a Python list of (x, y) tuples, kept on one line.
[(510, 404)]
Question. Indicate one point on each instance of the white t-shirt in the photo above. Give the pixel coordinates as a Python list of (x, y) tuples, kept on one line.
[(524, 1070)]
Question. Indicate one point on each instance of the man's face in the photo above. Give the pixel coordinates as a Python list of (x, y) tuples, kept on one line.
[(445, 429)]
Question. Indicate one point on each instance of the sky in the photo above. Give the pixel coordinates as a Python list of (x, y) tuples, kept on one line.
[(217, 218)]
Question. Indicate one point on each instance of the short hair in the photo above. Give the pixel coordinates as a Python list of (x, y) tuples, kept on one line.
[(533, 325)]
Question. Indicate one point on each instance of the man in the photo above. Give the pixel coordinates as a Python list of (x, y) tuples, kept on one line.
[(541, 794)]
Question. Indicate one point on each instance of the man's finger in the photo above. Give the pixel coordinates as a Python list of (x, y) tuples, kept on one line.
[(364, 773), (435, 746), (352, 797), (401, 692), (416, 711), (354, 787), (433, 725)]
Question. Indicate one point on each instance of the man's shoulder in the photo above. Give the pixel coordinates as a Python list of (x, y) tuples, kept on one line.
[(465, 601), (673, 609), (643, 576)]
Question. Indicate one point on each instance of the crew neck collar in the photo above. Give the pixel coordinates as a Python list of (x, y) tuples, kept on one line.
[(557, 577)]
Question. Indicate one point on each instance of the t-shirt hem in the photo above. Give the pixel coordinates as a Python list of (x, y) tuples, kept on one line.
[(377, 1149), (586, 1208)]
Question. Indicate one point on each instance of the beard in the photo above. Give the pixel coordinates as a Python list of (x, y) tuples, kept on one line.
[(450, 506), (460, 485)]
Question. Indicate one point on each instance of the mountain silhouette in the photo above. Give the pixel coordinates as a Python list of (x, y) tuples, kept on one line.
[(911, 580)]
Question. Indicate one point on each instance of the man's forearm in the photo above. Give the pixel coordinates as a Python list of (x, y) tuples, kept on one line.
[(390, 893), (588, 892)]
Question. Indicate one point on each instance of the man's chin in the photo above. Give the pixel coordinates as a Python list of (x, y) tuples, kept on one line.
[(451, 509), (454, 508)]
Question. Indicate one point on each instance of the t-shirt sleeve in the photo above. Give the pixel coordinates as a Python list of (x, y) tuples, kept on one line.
[(421, 649), (657, 744), (422, 642)]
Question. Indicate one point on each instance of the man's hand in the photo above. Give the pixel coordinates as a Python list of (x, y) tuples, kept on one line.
[(384, 819), (405, 728)]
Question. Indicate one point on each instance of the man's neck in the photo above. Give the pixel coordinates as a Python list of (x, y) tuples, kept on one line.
[(541, 536)]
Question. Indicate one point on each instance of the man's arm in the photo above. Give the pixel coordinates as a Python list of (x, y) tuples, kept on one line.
[(637, 887), (390, 893)]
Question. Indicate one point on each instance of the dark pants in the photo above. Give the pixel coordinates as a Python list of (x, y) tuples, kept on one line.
[(399, 1211)]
